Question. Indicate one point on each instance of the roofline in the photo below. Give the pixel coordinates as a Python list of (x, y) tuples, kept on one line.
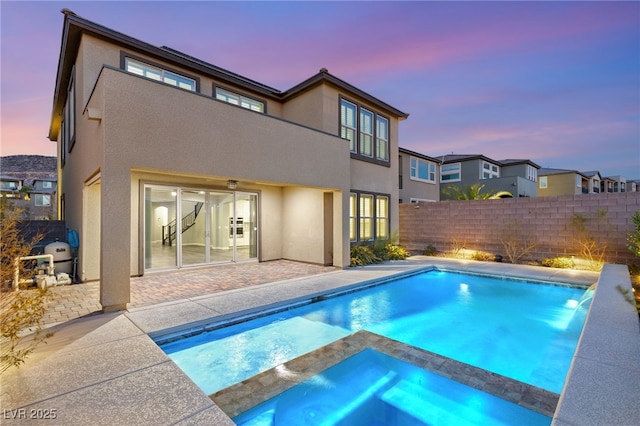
[(323, 76), (74, 26), (417, 154)]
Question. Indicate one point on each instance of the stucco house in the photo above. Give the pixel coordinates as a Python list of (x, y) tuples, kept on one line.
[(516, 176), (167, 162), (595, 179), (419, 177)]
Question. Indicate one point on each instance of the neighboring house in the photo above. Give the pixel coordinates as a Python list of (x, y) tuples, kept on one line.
[(595, 180), (517, 177), (606, 184), (419, 177), (35, 196), (43, 198), (10, 186), (633, 185), (619, 183), (167, 161), (561, 182)]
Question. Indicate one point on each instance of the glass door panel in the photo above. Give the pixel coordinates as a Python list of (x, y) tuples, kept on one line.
[(246, 226), (193, 227), (220, 219), (160, 231)]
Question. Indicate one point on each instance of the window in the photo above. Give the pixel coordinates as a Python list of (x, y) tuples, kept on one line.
[(362, 127), (43, 200), (348, 123), (489, 171), (71, 115), (578, 181), (422, 170), (596, 186), (353, 216), (366, 132), (382, 138), (159, 74), (236, 99), (8, 185), (368, 217), (450, 172), (382, 217), (532, 173), (47, 185), (543, 182)]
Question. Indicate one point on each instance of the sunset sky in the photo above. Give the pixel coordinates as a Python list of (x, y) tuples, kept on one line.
[(554, 82)]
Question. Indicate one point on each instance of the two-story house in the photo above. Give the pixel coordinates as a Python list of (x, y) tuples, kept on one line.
[(43, 198), (167, 161), (516, 176), (419, 177), (595, 179), (562, 182)]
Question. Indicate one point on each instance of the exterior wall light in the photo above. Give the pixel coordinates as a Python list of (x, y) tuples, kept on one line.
[(232, 184)]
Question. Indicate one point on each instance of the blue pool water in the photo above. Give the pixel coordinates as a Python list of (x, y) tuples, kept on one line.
[(521, 330), (371, 388)]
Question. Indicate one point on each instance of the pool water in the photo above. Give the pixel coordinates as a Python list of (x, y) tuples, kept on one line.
[(525, 331), (371, 388)]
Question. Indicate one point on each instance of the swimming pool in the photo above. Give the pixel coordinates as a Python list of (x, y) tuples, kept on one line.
[(522, 330), (372, 388)]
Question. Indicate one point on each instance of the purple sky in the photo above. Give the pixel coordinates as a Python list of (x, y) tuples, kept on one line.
[(555, 82)]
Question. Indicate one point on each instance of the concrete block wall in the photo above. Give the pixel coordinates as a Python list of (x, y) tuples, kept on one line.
[(551, 223)]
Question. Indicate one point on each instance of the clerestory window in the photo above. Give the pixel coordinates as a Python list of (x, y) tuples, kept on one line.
[(159, 74), (240, 100)]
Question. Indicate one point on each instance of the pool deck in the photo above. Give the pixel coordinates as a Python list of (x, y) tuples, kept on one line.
[(106, 369)]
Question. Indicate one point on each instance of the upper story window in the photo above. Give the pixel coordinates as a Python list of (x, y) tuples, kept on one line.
[(47, 184), (422, 170), (543, 182), (490, 171), (159, 74), (450, 172), (43, 200), (579, 181), (8, 185), (367, 132), (236, 99), (532, 173)]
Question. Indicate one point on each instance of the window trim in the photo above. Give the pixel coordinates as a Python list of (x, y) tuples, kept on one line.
[(354, 145), (375, 219), (241, 96), (543, 182), (416, 175), (493, 170), (123, 65)]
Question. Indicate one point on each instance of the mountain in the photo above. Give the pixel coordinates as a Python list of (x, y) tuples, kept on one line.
[(29, 166)]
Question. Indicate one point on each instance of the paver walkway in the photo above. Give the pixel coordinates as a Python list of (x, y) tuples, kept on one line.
[(77, 300)]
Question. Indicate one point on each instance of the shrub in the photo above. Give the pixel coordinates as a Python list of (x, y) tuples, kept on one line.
[(430, 250), (483, 256), (558, 262), (363, 255), (21, 310), (395, 252), (634, 237)]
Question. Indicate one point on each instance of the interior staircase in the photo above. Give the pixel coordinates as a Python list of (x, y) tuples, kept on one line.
[(169, 231)]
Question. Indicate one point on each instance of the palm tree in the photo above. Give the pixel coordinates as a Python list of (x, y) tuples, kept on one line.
[(473, 192)]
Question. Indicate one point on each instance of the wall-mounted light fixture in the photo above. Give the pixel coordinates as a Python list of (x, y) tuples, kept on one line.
[(232, 184)]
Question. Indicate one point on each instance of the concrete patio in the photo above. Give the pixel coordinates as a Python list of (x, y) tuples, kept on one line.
[(106, 369)]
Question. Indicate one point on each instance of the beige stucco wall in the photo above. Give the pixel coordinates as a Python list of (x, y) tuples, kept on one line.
[(205, 139)]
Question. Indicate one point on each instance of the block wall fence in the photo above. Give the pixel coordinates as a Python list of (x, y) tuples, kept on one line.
[(549, 222)]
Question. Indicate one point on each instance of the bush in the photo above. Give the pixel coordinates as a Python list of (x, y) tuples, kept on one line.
[(558, 262), (363, 255), (379, 251), (483, 256), (395, 252), (21, 310), (430, 250)]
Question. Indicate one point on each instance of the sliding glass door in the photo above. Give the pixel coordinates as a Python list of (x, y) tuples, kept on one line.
[(187, 227)]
